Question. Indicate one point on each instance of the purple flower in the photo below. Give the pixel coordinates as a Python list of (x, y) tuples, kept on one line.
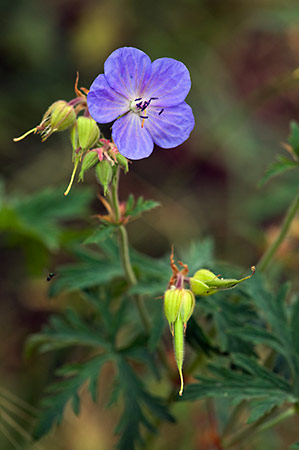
[(146, 98)]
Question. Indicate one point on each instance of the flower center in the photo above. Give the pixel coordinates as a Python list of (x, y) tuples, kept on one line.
[(139, 106)]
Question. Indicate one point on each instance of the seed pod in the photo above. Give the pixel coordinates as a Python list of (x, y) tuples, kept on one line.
[(178, 308), (104, 174), (187, 305), (89, 161), (172, 305), (204, 282)]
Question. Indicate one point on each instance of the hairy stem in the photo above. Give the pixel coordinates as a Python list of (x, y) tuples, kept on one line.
[(270, 252), (125, 255)]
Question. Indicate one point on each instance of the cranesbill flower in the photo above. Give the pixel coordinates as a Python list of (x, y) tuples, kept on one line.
[(145, 99)]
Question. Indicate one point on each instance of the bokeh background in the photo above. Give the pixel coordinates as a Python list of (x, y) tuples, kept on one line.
[(242, 56)]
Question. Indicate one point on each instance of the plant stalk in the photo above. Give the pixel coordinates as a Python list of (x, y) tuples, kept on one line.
[(270, 252), (267, 421), (125, 255), (262, 265)]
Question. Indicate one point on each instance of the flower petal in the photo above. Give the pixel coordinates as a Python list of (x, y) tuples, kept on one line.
[(132, 141), (127, 70), (172, 126), (104, 104), (170, 82)]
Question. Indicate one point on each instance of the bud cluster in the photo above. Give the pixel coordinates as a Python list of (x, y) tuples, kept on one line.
[(89, 149), (179, 302)]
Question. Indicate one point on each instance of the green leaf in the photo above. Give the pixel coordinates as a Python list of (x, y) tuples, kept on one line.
[(228, 315), (60, 393), (260, 407), (294, 323), (101, 234), (67, 331), (136, 398), (256, 370), (273, 309), (293, 138), (197, 339), (130, 203), (84, 275), (156, 331), (252, 382), (41, 213), (258, 335), (283, 327), (295, 446), (198, 254), (135, 209), (281, 166)]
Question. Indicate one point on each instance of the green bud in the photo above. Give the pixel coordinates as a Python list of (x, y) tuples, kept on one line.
[(122, 161), (104, 174), (178, 303), (85, 133), (90, 160), (58, 117), (62, 116), (204, 282)]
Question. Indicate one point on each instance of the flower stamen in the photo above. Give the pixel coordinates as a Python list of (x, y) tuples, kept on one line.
[(143, 119)]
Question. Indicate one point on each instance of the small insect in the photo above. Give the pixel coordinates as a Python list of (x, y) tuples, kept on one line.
[(160, 112), (50, 276)]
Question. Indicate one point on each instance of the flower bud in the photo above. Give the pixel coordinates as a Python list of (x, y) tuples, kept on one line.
[(62, 116), (104, 174), (90, 159), (204, 282), (122, 161), (58, 117), (85, 133), (178, 303)]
